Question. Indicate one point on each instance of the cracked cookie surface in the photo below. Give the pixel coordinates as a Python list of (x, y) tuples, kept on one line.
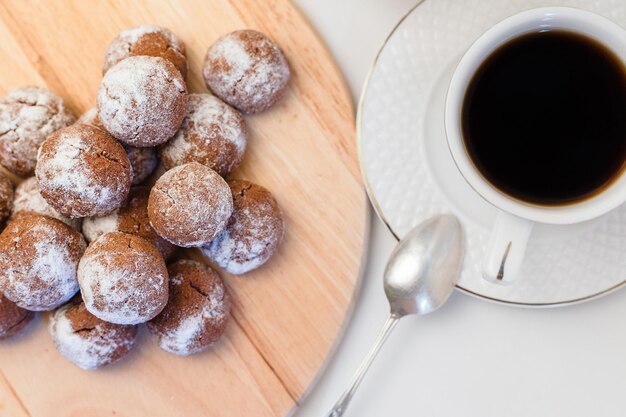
[(197, 312), (123, 279), (142, 100), (38, 260), (189, 205), (246, 70), (143, 160), (82, 171), (148, 40), (28, 116), (213, 134), (253, 233), (87, 341)]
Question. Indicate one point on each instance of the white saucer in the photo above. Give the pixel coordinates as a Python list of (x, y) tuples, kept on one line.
[(410, 175)]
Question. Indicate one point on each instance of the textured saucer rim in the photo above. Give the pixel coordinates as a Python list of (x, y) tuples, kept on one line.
[(381, 216)]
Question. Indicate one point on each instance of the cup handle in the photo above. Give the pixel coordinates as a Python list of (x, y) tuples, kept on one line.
[(506, 249)]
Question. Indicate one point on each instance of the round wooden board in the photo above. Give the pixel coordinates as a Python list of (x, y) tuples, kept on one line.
[(288, 314)]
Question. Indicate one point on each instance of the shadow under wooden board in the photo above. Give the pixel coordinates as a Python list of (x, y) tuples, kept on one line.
[(289, 313)]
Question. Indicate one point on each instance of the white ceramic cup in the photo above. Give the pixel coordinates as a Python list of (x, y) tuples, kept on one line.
[(515, 220)]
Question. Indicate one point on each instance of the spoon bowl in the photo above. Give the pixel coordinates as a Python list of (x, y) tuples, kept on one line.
[(424, 267), (420, 275)]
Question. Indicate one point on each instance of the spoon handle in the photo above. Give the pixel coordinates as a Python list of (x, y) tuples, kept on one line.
[(344, 400)]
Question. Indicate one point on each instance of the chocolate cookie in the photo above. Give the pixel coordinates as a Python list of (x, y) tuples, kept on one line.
[(13, 319), (87, 341), (123, 279), (7, 197), (197, 311), (142, 100), (28, 116), (143, 161), (213, 134), (246, 70), (82, 171), (148, 40), (189, 205), (38, 260), (254, 230)]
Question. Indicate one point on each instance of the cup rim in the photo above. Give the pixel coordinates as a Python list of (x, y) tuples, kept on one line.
[(544, 18)]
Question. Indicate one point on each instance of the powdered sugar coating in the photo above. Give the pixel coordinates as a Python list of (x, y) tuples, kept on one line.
[(131, 217), (82, 171), (38, 260), (28, 116), (123, 279), (197, 311), (142, 100), (143, 160), (87, 341), (149, 40), (94, 227), (253, 233), (189, 205), (7, 196), (213, 134), (246, 70), (28, 200)]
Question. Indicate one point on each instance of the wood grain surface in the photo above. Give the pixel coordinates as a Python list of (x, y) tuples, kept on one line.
[(288, 314)]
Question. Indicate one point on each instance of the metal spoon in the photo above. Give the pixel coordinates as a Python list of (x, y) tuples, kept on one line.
[(419, 277)]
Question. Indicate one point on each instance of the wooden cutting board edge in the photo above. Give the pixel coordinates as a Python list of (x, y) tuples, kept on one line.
[(358, 284), (13, 404)]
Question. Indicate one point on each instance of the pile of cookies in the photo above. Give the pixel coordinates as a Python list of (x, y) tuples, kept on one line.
[(88, 237)]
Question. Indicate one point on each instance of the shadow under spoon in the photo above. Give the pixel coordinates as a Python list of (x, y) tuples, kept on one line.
[(420, 275)]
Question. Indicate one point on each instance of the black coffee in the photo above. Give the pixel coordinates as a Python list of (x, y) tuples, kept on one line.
[(544, 117)]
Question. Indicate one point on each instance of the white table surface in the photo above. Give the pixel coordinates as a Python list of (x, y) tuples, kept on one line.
[(471, 358)]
